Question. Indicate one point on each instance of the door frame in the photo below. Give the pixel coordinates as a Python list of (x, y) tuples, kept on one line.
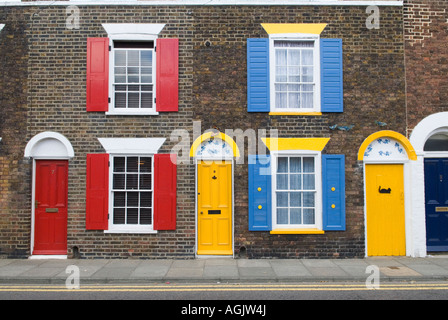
[(405, 158), (46, 146), (196, 211)]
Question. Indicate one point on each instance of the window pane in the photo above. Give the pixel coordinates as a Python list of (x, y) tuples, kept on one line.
[(308, 216), (308, 164), (295, 164), (132, 199), (295, 199), (280, 57), (132, 181), (132, 216), (282, 216), (145, 199), (133, 70), (119, 199), (120, 57), (307, 100), (282, 164), (307, 74), (308, 182), (119, 164), (132, 164), (294, 57), (146, 57), (295, 216), (145, 164), (120, 78), (308, 199), (282, 182), (307, 57), (146, 100), (119, 180), (145, 182), (119, 216), (146, 79), (293, 100), (282, 199), (120, 100), (294, 182), (133, 99), (145, 216), (133, 58)]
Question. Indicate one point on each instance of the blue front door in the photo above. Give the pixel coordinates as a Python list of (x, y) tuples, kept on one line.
[(436, 202)]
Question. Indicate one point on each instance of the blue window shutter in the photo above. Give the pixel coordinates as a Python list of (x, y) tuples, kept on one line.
[(260, 193), (258, 75), (332, 95), (333, 192)]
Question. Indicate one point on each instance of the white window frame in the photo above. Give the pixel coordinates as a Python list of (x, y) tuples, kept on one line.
[(130, 111), (129, 228), (318, 188), (131, 32), (316, 74)]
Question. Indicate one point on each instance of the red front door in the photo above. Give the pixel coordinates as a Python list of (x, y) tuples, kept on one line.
[(50, 229)]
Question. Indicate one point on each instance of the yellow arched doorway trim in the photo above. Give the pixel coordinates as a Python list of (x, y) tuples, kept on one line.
[(221, 136), (391, 134)]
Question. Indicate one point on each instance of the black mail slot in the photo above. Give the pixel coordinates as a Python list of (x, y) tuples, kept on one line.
[(214, 211)]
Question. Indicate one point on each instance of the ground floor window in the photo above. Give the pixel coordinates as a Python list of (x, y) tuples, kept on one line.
[(132, 191), (295, 191)]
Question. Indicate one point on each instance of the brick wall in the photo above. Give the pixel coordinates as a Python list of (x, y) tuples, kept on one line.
[(213, 91), (426, 33)]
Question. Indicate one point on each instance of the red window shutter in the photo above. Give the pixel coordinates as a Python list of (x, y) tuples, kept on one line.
[(97, 191), (167, 84), (165, 181), (97, 74)]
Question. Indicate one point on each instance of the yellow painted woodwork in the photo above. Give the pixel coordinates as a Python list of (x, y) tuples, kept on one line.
[(297, 231), (388, 133), (214, 179), (306, 28), (385, 211), (277, 144)]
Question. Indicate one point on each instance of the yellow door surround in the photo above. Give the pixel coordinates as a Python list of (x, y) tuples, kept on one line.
[(387, 133)]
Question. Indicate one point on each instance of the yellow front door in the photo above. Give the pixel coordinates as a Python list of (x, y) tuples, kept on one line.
[(385, 210), (214, 207)]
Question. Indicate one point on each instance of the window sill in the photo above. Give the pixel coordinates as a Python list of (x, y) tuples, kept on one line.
[(295, 113), (114, 113), (131, 231), (297, 231)]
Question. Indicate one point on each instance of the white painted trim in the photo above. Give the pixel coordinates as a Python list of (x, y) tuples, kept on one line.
[(132, 146), (46, 257), (422, 131), (316, 69), (318, 212), (205, 3), (1, 26), (129, 229), (127, 31), (32, 147)]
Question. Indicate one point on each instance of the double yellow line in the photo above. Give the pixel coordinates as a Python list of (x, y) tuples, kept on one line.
[(223, 287)]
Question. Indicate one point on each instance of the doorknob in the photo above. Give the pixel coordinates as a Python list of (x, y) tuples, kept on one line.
[(36, 203)]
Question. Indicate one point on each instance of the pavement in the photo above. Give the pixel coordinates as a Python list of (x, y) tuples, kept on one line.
[(222, 270)]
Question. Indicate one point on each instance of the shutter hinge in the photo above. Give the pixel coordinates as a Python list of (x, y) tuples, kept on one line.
[(107, 216), (155, 48), (155, 100), (108, 99), (110, 48), (108, 163)]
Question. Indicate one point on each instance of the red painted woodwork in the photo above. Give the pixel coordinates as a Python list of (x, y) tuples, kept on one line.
[(165, 181), (97, 191), (97, 74), (167, 85), (50, 227)]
